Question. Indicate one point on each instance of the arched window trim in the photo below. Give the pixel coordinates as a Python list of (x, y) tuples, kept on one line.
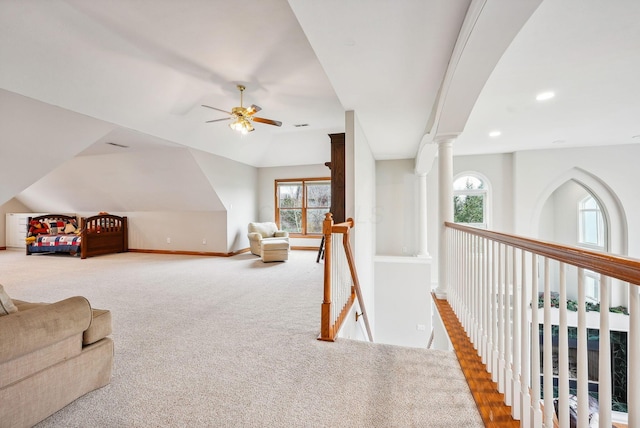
[(486, 191)]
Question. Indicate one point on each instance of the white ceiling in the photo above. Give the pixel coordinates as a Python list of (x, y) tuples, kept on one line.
[(147, 66), (588, 53)]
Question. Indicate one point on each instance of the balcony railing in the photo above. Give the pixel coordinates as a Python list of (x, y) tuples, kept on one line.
[(341, 284), (496, 283)]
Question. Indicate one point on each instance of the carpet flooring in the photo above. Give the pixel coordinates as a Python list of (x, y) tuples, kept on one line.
[(231, 342)]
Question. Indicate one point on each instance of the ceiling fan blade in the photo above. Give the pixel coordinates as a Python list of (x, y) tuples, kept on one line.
[(253, 109), (214, 108), (267, 121), (217, 120)]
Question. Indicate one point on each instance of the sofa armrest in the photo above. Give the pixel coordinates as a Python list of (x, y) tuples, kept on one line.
[(26, 331), (281, 234), (254, 236)]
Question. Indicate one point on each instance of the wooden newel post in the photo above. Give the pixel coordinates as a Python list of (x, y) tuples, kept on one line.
[(326, 323)]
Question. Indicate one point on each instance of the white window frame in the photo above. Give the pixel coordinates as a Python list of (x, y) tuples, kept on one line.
[(486, 193)]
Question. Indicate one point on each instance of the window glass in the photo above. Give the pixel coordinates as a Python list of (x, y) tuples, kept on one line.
[(470, 201), (302, 205), (290, 204), (592, 285), (468, 182), (318, 204), (591, 223)]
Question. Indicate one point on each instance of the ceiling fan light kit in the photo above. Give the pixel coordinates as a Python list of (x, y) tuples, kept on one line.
[(242, 117)]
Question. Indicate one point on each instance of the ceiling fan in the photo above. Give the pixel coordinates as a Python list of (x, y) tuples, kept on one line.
[(242, 117)]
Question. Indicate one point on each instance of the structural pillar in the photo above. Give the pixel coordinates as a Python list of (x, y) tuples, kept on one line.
[(445, 210), (422, 216)]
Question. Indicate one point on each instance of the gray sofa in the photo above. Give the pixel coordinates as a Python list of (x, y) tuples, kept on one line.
[(50, 355)]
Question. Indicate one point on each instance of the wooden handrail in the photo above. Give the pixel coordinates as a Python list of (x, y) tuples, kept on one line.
[(356, 283), (328, 327), (622, 268)]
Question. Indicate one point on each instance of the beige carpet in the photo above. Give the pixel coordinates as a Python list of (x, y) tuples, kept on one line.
[(231, 342)]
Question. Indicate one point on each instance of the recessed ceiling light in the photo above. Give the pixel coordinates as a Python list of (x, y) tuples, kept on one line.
[(543, 96), (494, 134)]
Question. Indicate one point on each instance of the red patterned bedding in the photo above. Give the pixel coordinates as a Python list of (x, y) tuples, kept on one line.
[(59, 233), (56, 243), (53, 234)]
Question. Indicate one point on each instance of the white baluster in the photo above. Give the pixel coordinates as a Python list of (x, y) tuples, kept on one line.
[(486, 302), (536, 414), (494, 313), (563, 353), (508, 392), (633, 342), (501, 339), (604, 357), (517, 329), (525, 338), (476, 295), (547, 350), (582, 357)]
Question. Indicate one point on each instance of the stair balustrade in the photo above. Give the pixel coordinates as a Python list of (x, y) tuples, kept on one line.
[(497, 282), (341, 284)]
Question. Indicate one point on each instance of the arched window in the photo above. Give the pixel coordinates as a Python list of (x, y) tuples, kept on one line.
[(470, 193), (591, 224), (591, 235)]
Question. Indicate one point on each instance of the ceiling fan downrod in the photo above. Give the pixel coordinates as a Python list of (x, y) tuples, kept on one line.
[(241, 88)]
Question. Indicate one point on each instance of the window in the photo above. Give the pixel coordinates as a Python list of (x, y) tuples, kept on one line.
[(470, 201), (592, 285), (591, 224), (591, 235), (302, 204)]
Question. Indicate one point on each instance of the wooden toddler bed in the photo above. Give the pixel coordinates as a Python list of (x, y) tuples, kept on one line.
[(58, 233)]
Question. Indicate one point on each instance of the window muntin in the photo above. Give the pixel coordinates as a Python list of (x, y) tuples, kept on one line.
[(470, 201), (302, 204)]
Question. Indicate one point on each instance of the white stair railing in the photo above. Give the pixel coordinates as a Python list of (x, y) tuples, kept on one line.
[(495, 285)]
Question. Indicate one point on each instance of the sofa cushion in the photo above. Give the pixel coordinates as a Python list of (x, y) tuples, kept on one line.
[(275, 244), (99, 328), (6, 304), (42, 326), (266, 229)]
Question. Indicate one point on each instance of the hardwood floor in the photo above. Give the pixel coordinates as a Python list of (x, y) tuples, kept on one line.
[(490, 402)]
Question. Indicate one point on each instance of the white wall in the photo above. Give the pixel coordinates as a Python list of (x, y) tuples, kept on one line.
[(538, 173), (360, 203), (236, 184), (187, 230), (403, 301), (396, 212)]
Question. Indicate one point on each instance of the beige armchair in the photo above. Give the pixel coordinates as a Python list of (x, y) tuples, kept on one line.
[(259, 232)]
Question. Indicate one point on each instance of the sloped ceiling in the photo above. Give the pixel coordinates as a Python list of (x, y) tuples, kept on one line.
[(36, 138), (142, 180)]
